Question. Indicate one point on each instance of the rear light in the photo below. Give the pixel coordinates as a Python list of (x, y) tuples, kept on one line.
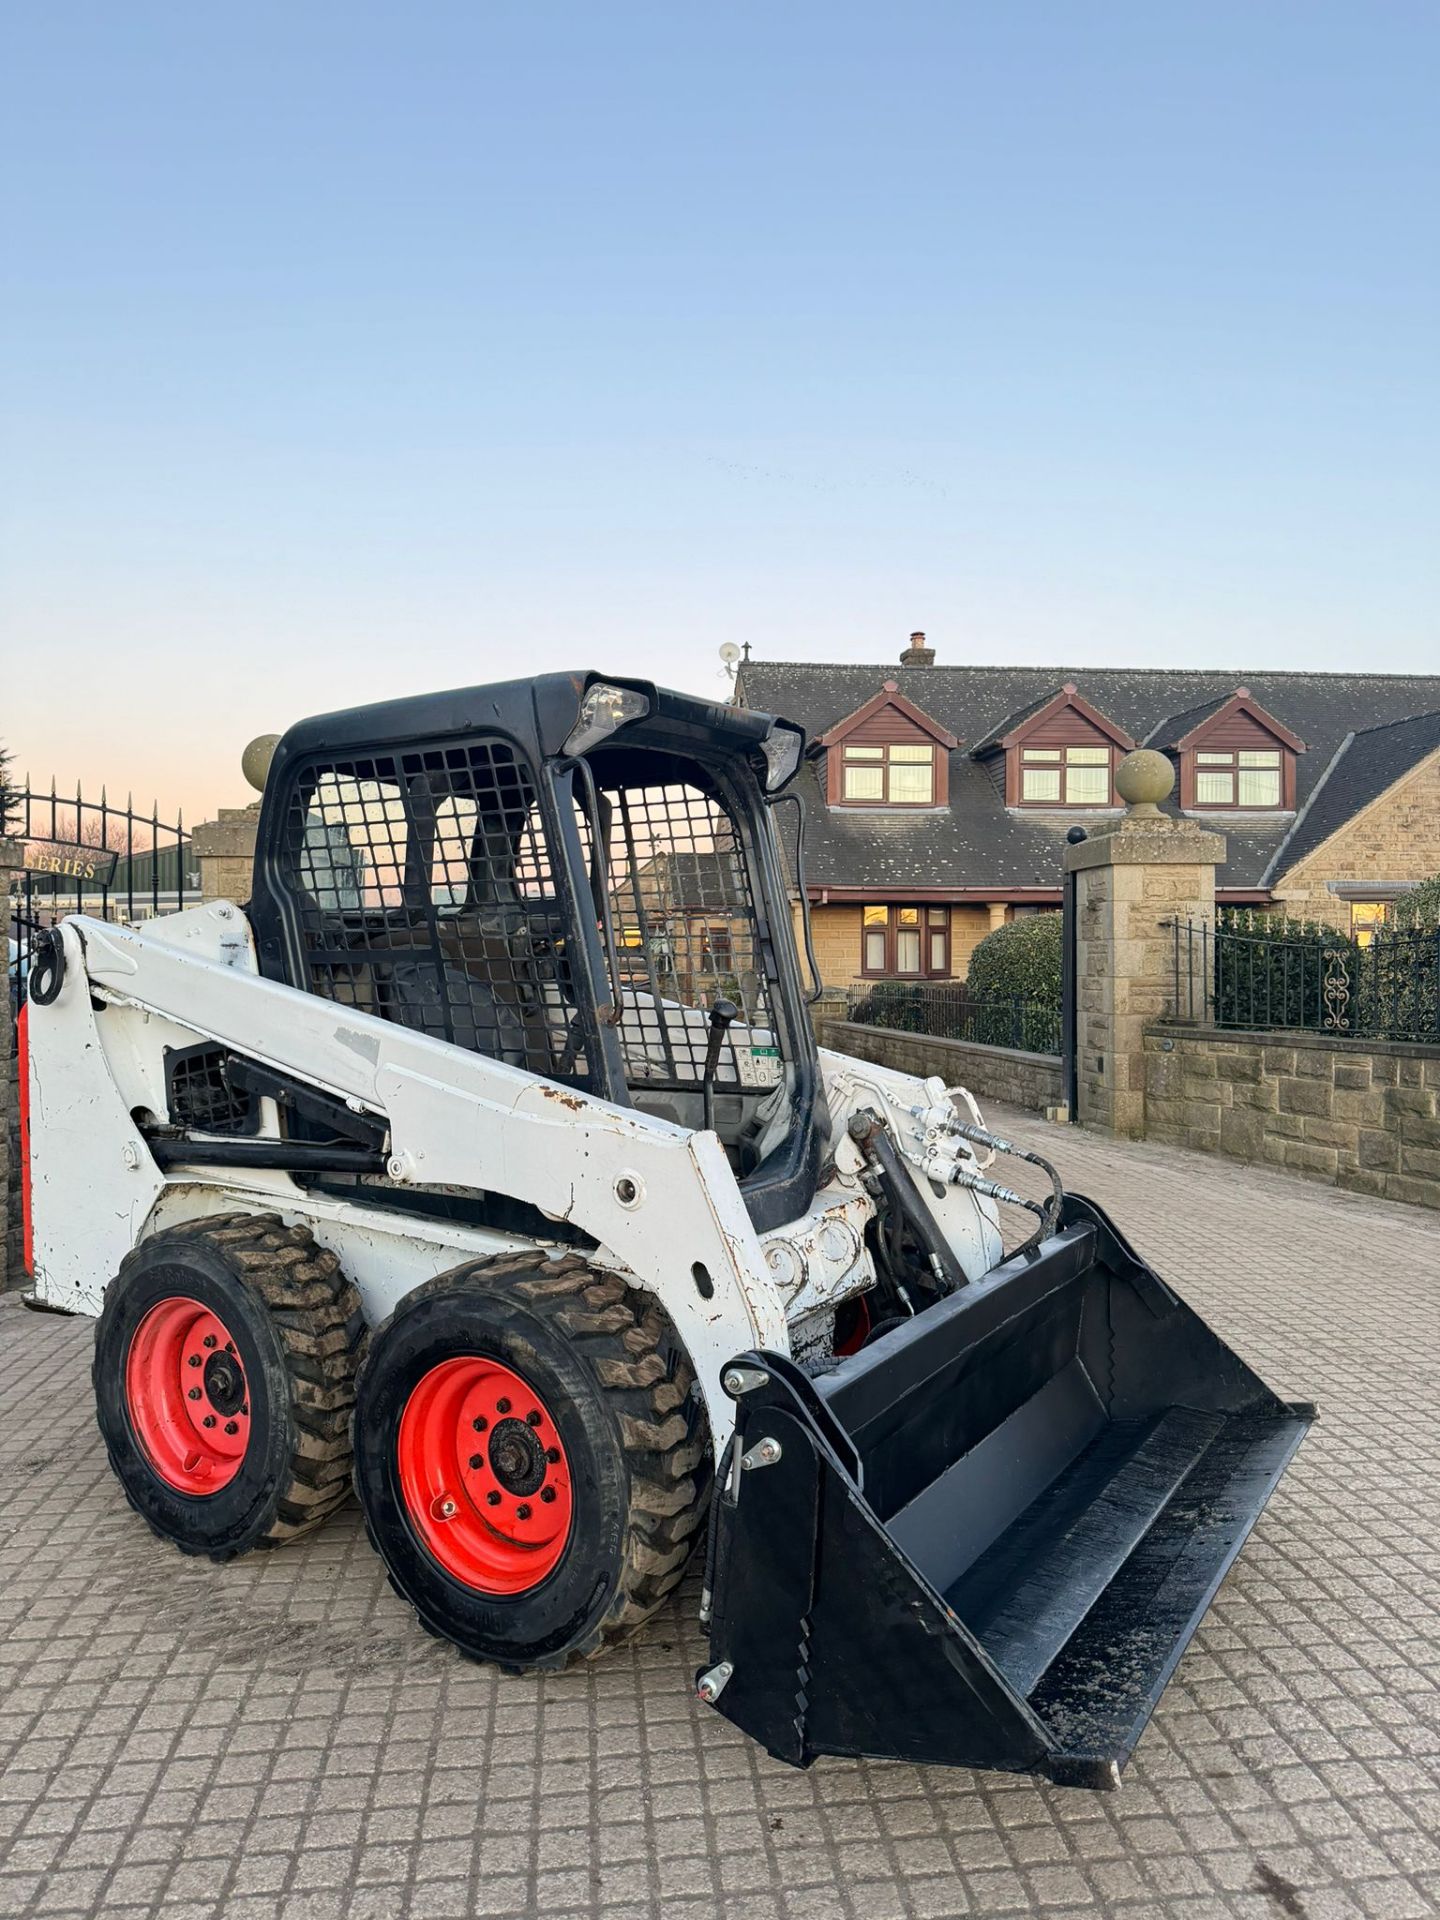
[(22, 1063)]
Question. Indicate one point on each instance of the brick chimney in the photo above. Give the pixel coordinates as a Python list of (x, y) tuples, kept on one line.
[(917, 654)]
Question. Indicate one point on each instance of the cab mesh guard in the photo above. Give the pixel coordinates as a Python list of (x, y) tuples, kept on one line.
[(986, 1539)]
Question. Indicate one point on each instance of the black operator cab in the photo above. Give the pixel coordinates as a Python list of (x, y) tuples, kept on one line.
[(575, 875)]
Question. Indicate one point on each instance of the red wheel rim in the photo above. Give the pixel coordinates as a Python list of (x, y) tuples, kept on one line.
[(187, 1396), (484, 1476)]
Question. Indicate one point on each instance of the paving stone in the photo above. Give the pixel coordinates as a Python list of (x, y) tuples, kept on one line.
[(277, 1740)]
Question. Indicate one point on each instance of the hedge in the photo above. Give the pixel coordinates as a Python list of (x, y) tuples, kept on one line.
[(9, 798), (1274, 974), (1020, 961), (1420, 907)]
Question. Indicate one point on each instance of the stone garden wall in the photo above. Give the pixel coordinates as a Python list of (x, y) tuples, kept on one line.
[(1359, 1114), (1030, 1080)]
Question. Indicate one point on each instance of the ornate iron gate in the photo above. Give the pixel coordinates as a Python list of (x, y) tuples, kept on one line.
[(80, 856), (89, 856)]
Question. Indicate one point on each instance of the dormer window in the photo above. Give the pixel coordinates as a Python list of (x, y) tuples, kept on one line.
[(1058, 752), (1238, 779), (1065, 776), (1234, 757), (899, 775), (888, 754)]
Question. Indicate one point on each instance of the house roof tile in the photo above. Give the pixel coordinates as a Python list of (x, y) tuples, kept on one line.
[(1360, 770), (1010, 721), (980, 843), (1168, 732)]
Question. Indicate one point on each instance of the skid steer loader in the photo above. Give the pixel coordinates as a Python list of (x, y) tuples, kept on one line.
[(487, 1154)]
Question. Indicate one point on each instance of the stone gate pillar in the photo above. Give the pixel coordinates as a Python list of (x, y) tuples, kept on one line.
[(224, 847), (224, 850), (1133, 877)]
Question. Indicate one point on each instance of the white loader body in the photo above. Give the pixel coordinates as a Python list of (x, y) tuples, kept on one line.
[(661, 1202), (508, 1060)]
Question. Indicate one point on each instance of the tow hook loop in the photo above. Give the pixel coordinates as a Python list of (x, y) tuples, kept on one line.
[(47, 967)]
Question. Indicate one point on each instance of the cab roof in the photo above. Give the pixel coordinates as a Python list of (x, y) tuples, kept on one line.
[(539, 712)]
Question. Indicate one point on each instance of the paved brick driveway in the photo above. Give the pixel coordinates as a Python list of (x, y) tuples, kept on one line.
[(278, 1738)]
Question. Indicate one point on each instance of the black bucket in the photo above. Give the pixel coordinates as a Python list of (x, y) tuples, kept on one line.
[(986, 1539)]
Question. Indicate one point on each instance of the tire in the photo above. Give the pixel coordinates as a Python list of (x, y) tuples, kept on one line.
[(617, 1441), (224, 1375)]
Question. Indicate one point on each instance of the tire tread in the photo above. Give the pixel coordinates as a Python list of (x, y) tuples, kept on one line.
[(643, 1371), (320, 1323)]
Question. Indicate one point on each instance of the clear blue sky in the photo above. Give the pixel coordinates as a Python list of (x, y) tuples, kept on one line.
[(348, 349)]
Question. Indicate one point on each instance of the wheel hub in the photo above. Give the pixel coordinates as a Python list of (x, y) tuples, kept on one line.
[(224, 1383), (484, 1475), (186, 1396), (517, 1459)]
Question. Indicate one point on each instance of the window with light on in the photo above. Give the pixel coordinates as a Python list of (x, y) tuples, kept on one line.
[(910, 942), (1365, 917)]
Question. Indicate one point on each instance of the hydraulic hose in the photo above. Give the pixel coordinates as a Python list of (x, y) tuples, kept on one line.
[(807, 933), (1048, 1210), (869, 1133)]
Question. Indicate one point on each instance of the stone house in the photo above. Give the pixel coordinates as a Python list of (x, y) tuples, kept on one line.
[(940, 796), (686, 917)]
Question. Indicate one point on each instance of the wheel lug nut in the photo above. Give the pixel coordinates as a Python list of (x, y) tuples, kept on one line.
[(481, 1424), (477, 1460), (208, 1341), (229, 1346), (502, 1406), (493, 1499), (547, 1494), (231, 1427), (208, 1421), (194, 1359), (522, 1513), (552, 1454), (194, 1393), (245, 1407), (532, 1418)]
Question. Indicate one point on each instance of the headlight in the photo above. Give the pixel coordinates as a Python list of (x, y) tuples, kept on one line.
[(781, 748), (603, 709)]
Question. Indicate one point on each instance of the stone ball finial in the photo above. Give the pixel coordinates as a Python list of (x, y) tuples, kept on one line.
[(1143, 779), (255, 761)]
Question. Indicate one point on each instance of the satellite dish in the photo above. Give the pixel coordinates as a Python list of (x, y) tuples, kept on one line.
[(729, 653)]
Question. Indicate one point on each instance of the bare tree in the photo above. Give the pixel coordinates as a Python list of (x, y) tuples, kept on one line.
[(9, 798), (115, 833), (87, 825)]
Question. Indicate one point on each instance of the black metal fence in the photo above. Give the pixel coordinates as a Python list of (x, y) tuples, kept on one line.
[(948, 1011), (89, 856), (1307, 977)]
